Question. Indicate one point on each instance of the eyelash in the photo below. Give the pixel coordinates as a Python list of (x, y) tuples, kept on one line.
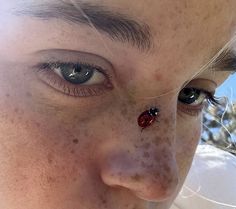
[(48, 75)]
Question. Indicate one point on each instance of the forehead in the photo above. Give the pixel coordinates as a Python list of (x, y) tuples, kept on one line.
[(163, 19)]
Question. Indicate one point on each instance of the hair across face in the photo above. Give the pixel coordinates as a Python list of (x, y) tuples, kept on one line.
[(75, 79)]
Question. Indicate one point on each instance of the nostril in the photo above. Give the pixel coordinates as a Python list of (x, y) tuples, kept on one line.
[(158, 189)]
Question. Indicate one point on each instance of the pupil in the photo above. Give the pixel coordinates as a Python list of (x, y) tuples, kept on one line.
[(189, 95), (77, 73)]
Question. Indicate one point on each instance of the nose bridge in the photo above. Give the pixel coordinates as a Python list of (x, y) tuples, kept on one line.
[(144, 161)]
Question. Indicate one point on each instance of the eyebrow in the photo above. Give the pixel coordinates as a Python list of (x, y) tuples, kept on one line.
[(118, 27), (226, 61)]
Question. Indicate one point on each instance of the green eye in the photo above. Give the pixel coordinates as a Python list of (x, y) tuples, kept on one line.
[(77, 73), (192, 96)]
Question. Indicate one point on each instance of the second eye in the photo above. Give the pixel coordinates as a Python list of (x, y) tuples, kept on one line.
[(192, 96)]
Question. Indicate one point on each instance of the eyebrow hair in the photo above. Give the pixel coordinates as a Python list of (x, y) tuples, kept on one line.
[(118, 27), (226, 61)]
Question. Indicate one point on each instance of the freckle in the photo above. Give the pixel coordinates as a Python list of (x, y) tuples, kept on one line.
[(37, 124), (50, 179), (86, 133), (124, 111), (146, 145), (157, 175), (146, 155), (143, 164), (16, 110), (136, 177), (7, 95), (168, 141), (28, 94), (104, 201), (12, 121), (50, 158), (72, 151), (166, 121), (142, 139), (158, 77), (75, 141), (157, 141), (166, 168), (157, 157), (189, 42)]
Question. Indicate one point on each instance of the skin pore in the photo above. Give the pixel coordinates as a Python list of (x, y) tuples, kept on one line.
[(78, 146)]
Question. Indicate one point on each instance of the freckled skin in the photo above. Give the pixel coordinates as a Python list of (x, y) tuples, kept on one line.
[(89, 153)]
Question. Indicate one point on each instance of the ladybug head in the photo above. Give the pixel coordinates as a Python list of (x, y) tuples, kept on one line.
[(154, 111)]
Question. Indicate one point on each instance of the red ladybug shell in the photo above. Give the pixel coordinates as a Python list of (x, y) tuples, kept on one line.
[(146, 119)]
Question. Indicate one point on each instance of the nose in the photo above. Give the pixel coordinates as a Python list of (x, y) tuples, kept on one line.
[(149, 172)]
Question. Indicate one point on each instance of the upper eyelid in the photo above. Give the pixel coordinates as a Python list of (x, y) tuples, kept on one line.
[(54, 55), (202, 84), (68, 55)]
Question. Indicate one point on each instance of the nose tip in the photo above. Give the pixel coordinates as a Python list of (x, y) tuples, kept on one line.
[(148, 181)]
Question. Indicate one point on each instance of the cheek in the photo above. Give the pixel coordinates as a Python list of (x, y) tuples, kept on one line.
[(39, 157), (188, 136)]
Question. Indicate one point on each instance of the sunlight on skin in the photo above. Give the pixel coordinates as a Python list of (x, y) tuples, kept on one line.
[(65, 145)]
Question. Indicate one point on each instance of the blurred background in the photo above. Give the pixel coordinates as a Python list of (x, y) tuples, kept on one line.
[(219, 122)]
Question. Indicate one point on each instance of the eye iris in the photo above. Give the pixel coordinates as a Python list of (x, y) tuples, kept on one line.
[(77, 74), (189, 95)]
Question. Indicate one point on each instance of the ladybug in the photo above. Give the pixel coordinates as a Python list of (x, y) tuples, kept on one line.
[(148, 117)]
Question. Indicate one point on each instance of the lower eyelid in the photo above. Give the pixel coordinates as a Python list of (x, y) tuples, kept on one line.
[(190, 110)]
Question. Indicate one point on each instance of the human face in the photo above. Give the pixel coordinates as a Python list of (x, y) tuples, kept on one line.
[(66, 145)]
